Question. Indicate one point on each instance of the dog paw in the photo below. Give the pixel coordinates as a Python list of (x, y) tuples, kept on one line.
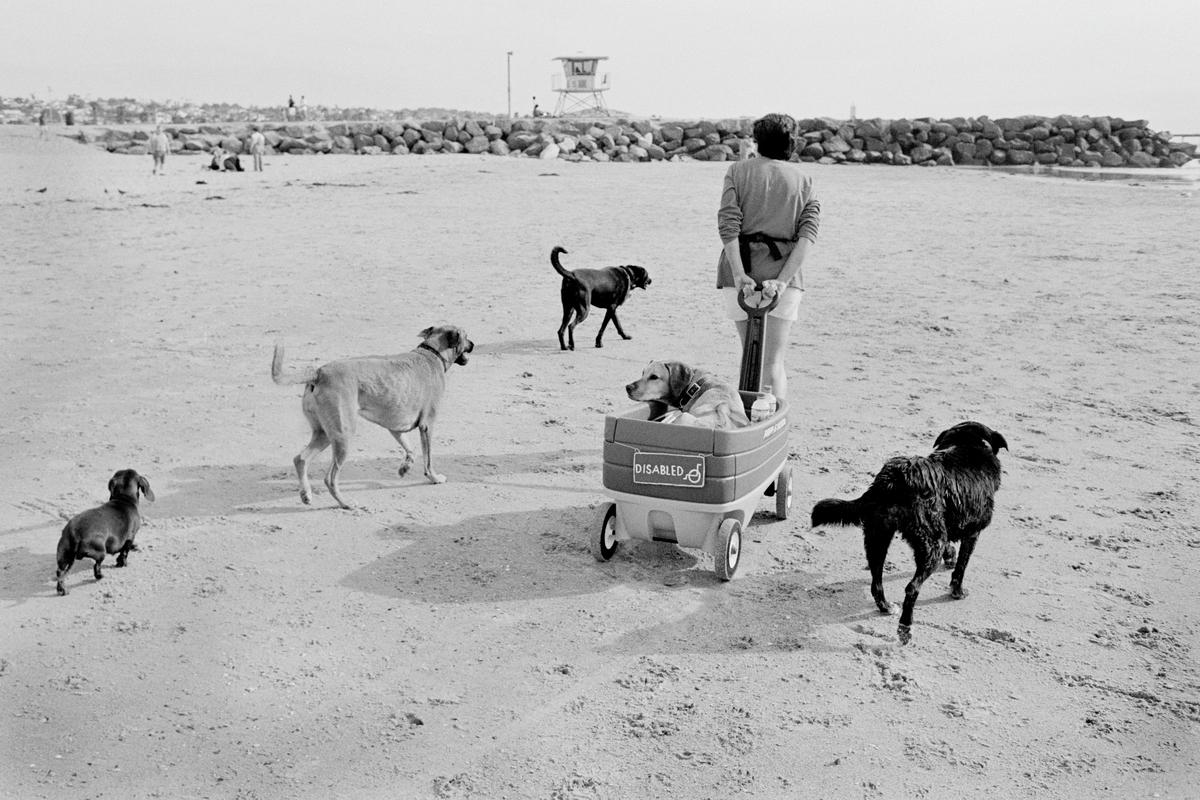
[(62, 590), (958, 592), (435, 477), (306, 498), (904, 633), (404, 469)]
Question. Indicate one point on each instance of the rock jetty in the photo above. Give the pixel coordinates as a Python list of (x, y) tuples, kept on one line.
[(976, 141)]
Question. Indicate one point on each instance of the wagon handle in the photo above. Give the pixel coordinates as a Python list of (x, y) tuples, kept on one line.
[(752, 310)]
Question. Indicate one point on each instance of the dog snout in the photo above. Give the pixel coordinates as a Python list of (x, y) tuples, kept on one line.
[(462, 356)]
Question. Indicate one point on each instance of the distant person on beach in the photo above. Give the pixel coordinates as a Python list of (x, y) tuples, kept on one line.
[(767, 220), (258, 145), (291, 109), (225, 161), (160, 146), (303, 108), (537, 112), (42, 124)]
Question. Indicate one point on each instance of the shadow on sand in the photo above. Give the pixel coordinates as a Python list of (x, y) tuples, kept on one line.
[(528, 556), (206, 491)]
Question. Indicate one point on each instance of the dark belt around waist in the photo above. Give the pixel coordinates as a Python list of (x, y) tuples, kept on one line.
[(772, 243)]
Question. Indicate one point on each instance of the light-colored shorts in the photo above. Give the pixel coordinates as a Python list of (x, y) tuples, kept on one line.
[(788, 307)]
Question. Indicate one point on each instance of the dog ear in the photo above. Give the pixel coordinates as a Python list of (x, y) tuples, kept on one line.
[(997, 441), (425, 334), (681, 375), (144, 485), (112, 482)]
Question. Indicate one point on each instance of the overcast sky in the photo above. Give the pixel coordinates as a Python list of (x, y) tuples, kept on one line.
[(670, 58)]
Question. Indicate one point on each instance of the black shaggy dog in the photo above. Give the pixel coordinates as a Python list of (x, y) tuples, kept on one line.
[(605, 288), (932, 501)]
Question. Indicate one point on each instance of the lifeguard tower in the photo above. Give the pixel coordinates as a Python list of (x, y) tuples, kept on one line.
[(580, 90)]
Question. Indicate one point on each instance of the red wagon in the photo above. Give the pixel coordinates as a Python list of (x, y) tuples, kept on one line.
[(697, 487)]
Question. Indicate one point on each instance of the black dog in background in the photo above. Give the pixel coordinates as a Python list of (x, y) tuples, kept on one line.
[(605, 288), (932, 501)]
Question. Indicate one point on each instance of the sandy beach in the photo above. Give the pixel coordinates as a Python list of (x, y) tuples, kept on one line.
[(459, 640)]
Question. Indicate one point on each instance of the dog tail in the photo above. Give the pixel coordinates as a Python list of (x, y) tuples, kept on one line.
[(286, 378), (559, 268), (837, 512)]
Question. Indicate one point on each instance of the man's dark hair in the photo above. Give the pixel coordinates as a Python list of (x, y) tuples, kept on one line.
[(773, 133)]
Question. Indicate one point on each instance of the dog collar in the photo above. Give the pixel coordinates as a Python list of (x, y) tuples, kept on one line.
[(693, 390), (437, 353)]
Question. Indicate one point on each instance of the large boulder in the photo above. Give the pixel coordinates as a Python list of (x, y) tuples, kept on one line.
[(499, 147), (717, 152), (945, 129), (921, 153), (869, 129), (671, 133), (520, 139), (1143, 159), (813, 151), (836, 145), (964, 152), (477, 144)]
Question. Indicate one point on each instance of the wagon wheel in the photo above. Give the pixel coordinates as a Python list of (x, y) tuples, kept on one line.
[(604, 543), (783, 492), (729, 549)]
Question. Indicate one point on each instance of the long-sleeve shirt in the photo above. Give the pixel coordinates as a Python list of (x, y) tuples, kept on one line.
[(770, 197)]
